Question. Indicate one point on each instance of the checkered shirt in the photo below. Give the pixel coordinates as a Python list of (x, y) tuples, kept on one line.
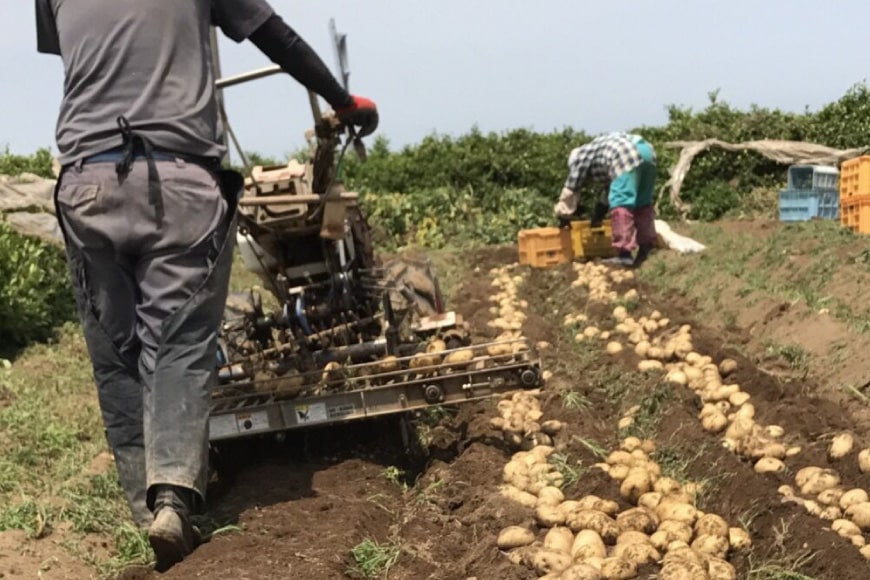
[(603, 159)]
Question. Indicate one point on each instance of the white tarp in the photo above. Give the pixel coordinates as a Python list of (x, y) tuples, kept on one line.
[(784, 152)]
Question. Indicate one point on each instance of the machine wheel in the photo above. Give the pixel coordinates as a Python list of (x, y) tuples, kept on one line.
[(417, 278)]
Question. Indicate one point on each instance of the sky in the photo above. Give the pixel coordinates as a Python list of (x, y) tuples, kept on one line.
[(446, 66)]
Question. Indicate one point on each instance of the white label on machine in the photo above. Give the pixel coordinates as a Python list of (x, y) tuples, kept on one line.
[(315, 413), (222, 426), (341, 410), (256, 421)]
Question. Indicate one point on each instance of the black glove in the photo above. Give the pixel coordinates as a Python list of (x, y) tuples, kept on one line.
[(599, 212), (564, 222), (363, 113)]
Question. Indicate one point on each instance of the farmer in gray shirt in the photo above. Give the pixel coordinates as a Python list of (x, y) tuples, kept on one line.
[(149, 218)]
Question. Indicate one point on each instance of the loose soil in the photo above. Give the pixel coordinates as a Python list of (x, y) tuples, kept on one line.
[(301, 506)]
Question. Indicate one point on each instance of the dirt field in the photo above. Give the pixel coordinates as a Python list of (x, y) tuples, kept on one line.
[(349, 503)]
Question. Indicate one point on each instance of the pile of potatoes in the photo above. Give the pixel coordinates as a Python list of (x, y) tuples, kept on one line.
[(521, 421), (599, 279), (593, 538)]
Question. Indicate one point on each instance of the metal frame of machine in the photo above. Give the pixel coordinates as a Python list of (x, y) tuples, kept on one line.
[(347, 342)]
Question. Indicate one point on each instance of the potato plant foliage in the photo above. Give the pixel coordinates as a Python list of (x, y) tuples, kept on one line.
[(35, 295), (480, 188)]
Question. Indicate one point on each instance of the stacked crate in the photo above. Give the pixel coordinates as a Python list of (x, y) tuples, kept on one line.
[(545, 247), (855, 194), (812, 193)]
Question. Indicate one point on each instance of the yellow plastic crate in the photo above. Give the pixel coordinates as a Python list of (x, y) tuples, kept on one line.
[(589, 242), (855, 214), (544, 247), (855, 177)]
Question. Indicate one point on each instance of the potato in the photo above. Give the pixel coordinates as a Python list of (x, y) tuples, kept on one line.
[(636, 483), (825, 479), (548, 561), (523, 498), (630, 444), (711, 545), (552, 427), (549, 516), (613, 348), (739, 399), (559, 539), (831, 513), (727, 367), (714, 422), (666, 485), (831, 496), (739, 539), (858, 541), (459, 356), (792, 451), (678, 531), (812, 507), (609, 507), (852, 497), (677, 377), (638, 553), (719, 569), (860, 514), (550, 496), (841, 445), (620, 457), (670, 509), (514, 537), (864, 460), (581, 572), (596, 521), (588, 544), (617, 569), (625, 423), (803, 476), (683, 570), (769, 465), (649, 500), (645, 366), (845, 528), (711, 525), (638, 519)]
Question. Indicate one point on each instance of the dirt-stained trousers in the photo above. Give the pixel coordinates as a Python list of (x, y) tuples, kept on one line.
[(150, 289)]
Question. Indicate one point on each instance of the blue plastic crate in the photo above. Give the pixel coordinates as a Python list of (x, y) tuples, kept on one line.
[(798, 206), (813, 178)]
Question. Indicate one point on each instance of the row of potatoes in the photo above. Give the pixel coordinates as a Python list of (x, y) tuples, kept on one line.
[(592, 538), (728, 410)]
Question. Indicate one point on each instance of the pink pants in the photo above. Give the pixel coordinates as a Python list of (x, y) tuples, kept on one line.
[(633, 228)]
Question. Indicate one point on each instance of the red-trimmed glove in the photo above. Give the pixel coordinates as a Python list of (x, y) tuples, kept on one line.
[(362, 113)]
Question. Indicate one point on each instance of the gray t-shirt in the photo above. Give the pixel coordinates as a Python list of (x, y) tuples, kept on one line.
[(148, 61)]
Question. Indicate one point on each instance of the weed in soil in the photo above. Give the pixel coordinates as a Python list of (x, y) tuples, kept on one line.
[(372, 560)]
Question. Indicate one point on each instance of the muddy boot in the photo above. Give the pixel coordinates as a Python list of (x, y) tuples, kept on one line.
[(623, 259), (172, 535), (130, 463)]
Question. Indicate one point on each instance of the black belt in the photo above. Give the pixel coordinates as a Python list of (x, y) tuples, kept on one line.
[(136, 145)]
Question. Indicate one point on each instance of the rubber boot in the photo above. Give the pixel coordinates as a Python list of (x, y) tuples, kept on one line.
[(642, 254), (130, 463), (172, 535)]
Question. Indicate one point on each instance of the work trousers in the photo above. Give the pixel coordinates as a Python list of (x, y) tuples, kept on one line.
[(150, 291), (630, 198)]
